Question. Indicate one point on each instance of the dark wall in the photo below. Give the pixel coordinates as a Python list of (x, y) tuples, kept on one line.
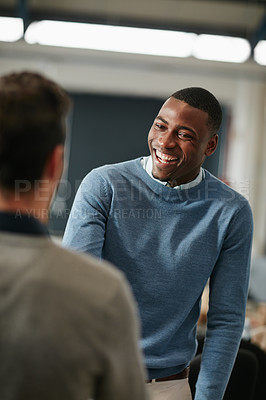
[(104, 130)]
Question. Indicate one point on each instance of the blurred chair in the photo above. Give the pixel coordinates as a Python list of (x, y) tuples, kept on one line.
[(242, 382), (260, 390)]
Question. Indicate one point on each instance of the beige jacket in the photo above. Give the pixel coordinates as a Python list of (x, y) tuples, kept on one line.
[(68, 325)]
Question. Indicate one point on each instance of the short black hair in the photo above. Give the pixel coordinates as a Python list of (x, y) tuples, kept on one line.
[(32, 122), (203, 100)]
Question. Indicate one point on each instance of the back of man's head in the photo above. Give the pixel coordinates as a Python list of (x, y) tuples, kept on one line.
[(204, 100), (32, 123)]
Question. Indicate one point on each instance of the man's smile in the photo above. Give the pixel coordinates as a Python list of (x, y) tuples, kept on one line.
[(165, 158)]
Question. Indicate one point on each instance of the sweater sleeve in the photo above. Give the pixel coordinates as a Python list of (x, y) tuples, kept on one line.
[(124, 374), (85, 230), (227, 304)]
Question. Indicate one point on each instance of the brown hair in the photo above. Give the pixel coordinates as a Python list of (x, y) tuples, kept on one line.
[(32, 123)]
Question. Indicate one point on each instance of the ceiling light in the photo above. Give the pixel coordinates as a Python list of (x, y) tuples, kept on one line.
[(260, 52), (11, 29), (111, 38), (222, 48)]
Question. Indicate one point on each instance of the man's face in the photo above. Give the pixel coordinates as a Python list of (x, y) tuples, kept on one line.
[(179, 141)]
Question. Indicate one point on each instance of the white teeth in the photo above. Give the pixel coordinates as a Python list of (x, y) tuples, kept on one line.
[(164, 157)]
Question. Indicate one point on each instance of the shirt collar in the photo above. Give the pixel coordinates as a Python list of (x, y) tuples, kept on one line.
[(21, 223), (147, 165)]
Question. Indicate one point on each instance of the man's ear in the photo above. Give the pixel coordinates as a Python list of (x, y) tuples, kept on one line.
[(212, 144), (55, 163)]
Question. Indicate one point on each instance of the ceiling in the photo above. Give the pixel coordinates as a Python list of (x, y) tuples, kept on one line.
[(243, 18)]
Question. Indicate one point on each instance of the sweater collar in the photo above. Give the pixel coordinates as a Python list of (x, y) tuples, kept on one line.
[(147, 165)]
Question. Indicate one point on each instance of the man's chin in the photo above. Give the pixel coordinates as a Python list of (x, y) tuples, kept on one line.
[(160, 178)]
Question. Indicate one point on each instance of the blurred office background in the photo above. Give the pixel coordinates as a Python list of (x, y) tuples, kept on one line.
[(116, 94)]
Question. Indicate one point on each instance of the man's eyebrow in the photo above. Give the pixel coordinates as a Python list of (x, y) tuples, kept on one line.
[(161, 119)]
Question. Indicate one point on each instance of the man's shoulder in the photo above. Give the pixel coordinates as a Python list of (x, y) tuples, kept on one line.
[(220, 190), (43, 268), (43, 263), (120, 168), (84, 271), (85, 288)]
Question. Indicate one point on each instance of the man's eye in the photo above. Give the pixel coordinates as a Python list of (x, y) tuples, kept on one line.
[(159, 126), (184, 136)]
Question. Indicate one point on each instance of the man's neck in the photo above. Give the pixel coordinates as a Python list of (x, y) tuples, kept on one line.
[(147, 165), (25, 204)]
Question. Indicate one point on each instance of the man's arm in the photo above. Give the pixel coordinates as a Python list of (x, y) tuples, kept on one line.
[(85, 230), (124, 375), (227, 304)]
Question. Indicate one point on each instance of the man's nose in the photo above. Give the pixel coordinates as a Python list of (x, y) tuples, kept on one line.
[(167, 140)]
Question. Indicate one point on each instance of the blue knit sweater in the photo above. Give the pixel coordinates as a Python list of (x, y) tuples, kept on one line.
[(169, 242)]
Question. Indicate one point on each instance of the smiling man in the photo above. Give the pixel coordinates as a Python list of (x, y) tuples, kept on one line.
[(179, 142), (170, 225)]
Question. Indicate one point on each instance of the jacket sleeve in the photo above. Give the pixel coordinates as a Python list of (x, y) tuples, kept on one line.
[(85, 230), (227, 304), (124, 374)]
